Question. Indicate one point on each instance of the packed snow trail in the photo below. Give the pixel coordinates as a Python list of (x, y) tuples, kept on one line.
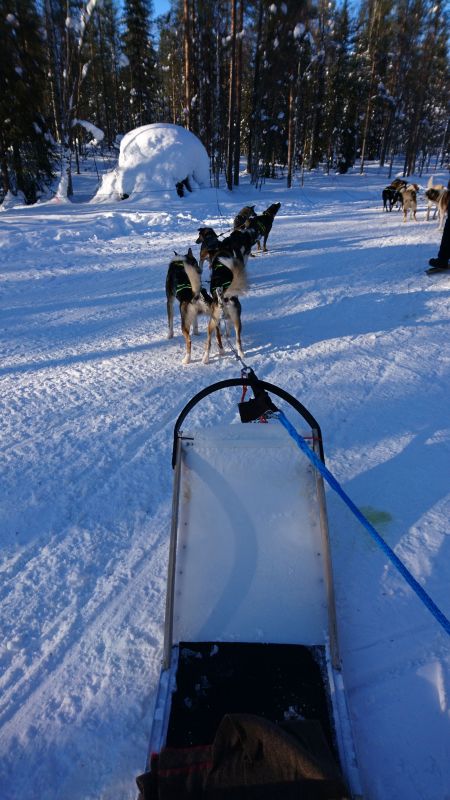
[(339, 313)]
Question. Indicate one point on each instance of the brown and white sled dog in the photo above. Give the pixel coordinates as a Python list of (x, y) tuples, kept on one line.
[(228, 280), (183, 282), (409, 201), (433, 194), (443, 206)]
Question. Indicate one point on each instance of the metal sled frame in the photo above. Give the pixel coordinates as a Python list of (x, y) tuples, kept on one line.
[(174, 640)]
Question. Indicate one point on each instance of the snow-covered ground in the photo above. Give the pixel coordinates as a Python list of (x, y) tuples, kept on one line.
[(341, 314)]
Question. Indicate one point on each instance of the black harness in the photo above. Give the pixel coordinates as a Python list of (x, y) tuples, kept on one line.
[(221, 277), (183, 288)]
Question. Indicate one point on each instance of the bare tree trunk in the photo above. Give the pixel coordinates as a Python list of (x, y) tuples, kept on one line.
[(187, 62), (290, 153), (232, 99), (253, 138), (237, 141), (5, 174), (372, 38), (216, 143)]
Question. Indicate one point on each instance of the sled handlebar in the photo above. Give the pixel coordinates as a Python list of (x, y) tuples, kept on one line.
[(253, 383)]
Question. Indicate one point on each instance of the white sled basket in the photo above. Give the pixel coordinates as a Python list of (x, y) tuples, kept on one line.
[(250, 560)]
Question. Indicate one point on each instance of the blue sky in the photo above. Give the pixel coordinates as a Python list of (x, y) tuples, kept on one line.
[(161, 6)]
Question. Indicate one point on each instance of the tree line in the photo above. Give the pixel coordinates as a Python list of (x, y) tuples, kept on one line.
[(288, 85)]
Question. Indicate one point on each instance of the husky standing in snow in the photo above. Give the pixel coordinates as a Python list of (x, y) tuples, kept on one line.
[(183, 282), (228, 280)]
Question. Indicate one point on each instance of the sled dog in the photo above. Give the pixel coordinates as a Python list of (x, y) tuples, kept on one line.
[(228, 280), (244, 214), (240, 242), (209, 244), (391, 197), (183, 283), (263, 224), (433, 194), (409, 201), (444, 202)]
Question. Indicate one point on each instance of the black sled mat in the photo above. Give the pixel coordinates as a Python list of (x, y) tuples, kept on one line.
[(274, 681)]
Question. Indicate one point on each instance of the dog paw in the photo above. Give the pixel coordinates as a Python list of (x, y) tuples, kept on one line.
[(186, 360), (205, 359)]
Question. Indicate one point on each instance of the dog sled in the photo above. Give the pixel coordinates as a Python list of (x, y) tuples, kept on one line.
[(251, 700)]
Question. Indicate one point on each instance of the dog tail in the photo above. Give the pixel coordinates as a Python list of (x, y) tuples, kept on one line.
[(194, 277), (239, 284)]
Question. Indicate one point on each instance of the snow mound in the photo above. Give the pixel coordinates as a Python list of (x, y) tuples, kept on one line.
[(13, 201), (154, 158)]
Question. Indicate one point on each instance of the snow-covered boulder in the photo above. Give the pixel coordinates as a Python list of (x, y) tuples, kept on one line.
[(154, 158)]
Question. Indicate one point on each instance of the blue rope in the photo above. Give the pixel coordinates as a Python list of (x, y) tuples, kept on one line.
[(320, 466)]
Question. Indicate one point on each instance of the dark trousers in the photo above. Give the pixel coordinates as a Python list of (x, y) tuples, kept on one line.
[(444, 250)]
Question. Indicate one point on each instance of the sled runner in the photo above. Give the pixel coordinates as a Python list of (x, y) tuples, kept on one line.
[(251, 699)]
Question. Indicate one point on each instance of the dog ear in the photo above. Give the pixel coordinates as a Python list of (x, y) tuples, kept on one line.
[(175, 253), (190, 253)]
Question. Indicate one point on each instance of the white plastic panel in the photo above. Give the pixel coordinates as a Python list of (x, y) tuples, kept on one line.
[(249, 564)]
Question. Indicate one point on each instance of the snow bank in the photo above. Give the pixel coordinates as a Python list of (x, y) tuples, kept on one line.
[(155, 158), (13, 201)]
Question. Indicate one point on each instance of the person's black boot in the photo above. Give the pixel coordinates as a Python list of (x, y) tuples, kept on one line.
[(439, 262), (438, 265)]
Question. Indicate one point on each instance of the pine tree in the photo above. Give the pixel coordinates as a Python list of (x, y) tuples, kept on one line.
[(138, 77), (341, 94), (99, 101), (26, 150)]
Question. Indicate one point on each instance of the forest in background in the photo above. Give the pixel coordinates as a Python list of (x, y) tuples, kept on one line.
[(289, 85)]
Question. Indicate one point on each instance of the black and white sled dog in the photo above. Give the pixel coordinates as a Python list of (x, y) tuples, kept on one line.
[(244, 214), (209, 245), (391, 194), (262, 223), (391, 197), (240, 242), (228, 280), (183, 282)]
